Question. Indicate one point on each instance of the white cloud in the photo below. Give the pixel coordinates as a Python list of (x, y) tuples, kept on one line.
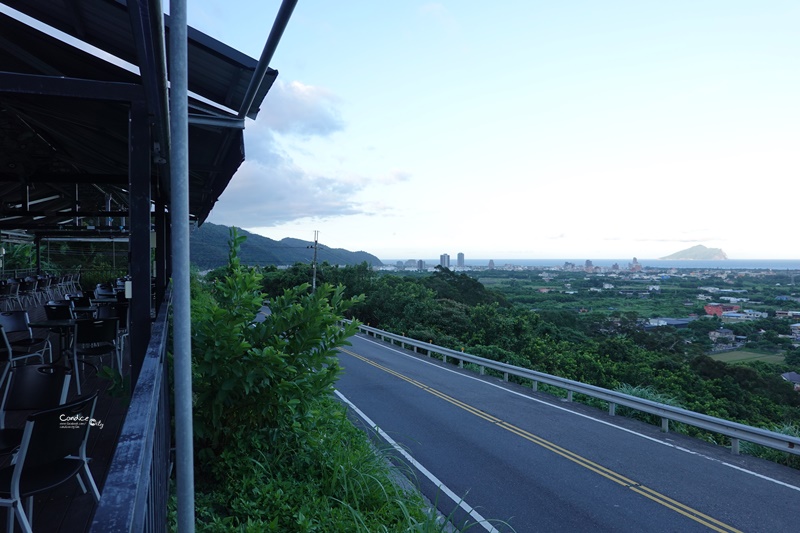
[(300, 109)]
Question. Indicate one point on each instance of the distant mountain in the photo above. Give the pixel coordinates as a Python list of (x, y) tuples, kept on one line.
[(698, 253), (209, 249)]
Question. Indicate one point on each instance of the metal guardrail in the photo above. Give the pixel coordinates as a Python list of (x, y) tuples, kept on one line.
[(135, 493), (734, 430)]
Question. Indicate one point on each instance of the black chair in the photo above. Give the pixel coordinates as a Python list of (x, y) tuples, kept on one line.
[(11, 295), (82, 306), (119, 311), (5, 293), (30, 388), (9, 357), (58, 311), (95, 338), (52, 452), (17, 322)]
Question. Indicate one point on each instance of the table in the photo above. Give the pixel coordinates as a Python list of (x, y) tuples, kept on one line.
[(85, 311), (63, 326), (103, 300)]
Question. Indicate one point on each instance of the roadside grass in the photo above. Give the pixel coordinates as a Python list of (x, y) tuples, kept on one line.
[(331, 480)]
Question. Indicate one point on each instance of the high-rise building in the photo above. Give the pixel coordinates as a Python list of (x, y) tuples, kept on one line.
[(420, 265), (444, 260), (460, 260)]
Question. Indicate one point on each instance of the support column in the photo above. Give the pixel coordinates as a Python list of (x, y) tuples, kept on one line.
[(140, 224), (179, 214)]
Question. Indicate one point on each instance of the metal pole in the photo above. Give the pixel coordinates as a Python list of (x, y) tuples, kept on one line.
[(179, 211), (275, 34), (314, 264)]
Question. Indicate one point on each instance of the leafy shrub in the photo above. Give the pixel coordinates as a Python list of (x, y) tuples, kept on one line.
[(277, 453), (260, 378)]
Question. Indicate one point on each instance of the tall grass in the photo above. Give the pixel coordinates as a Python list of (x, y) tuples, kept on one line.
[(771, 454), (648, 393), (331, 479)]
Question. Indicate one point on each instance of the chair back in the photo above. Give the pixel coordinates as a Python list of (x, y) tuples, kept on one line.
[(114, 310), (104, 291), (15, 321), (57, 433), (79, 300), (6, 353), (96, 331), (34, 388), (58, 311)]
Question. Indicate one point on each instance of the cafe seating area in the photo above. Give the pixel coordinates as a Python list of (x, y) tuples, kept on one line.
[(62, 354)]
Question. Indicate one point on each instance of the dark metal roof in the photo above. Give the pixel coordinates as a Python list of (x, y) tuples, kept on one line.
[(65, 136)]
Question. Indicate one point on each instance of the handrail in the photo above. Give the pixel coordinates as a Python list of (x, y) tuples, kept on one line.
[(135, 493), (734, 430)]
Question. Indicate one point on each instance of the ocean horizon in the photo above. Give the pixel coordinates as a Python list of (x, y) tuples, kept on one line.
[(725, 264)]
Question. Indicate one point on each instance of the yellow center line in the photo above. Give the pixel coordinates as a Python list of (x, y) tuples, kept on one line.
[(607, 473)]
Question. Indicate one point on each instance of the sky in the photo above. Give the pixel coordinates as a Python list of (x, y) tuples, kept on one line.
[(521, 129)]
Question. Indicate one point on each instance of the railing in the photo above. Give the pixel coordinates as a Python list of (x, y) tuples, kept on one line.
[(135, 492), (733, 430)]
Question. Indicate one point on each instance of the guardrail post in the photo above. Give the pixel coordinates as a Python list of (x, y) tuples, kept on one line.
[(665, 425), (612, 409), (444, 357), (483, 370), (460, 363), (535, 385), (569, 395), (505, 376), (734, 446)]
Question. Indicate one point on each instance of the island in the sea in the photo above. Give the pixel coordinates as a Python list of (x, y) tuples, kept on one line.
[(698, 253)]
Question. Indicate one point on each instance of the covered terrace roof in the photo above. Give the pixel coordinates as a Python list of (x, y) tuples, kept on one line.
[(70, 75)]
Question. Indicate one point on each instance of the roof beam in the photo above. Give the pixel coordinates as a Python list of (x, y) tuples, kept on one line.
[(11, 83), (82, 178)]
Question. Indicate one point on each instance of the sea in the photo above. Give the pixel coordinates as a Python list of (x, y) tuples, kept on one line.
[(727, 264)]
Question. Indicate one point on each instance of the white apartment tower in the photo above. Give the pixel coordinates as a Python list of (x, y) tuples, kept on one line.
[(460, 260), (444, 260)]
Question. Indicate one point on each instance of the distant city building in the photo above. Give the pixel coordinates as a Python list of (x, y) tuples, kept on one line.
[(420, 265), (634, 265), (411, 263), (444, 260), (589, 265), (491, 264), (460, 260)]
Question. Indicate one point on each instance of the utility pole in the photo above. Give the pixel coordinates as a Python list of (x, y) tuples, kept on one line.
[(314, 263)]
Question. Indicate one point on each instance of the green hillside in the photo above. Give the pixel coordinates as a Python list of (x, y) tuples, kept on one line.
[(209, 249)]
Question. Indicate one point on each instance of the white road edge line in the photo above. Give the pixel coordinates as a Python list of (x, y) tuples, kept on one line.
[(427, 473), (680, 448)]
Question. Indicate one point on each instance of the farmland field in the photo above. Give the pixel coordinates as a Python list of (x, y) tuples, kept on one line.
[(740, 356)]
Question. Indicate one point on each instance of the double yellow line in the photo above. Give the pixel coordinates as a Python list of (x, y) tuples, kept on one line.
[(607, 473)]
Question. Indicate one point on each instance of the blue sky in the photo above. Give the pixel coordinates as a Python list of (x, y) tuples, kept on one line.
[(524, 129)]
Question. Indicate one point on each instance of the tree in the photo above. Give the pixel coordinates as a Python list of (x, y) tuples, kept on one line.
[(259, 379)]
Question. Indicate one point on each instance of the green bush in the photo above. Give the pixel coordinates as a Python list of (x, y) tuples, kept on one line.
[(275, 450), (260, 378)]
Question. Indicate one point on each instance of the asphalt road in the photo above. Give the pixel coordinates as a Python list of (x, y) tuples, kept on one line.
[(502, 458)]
